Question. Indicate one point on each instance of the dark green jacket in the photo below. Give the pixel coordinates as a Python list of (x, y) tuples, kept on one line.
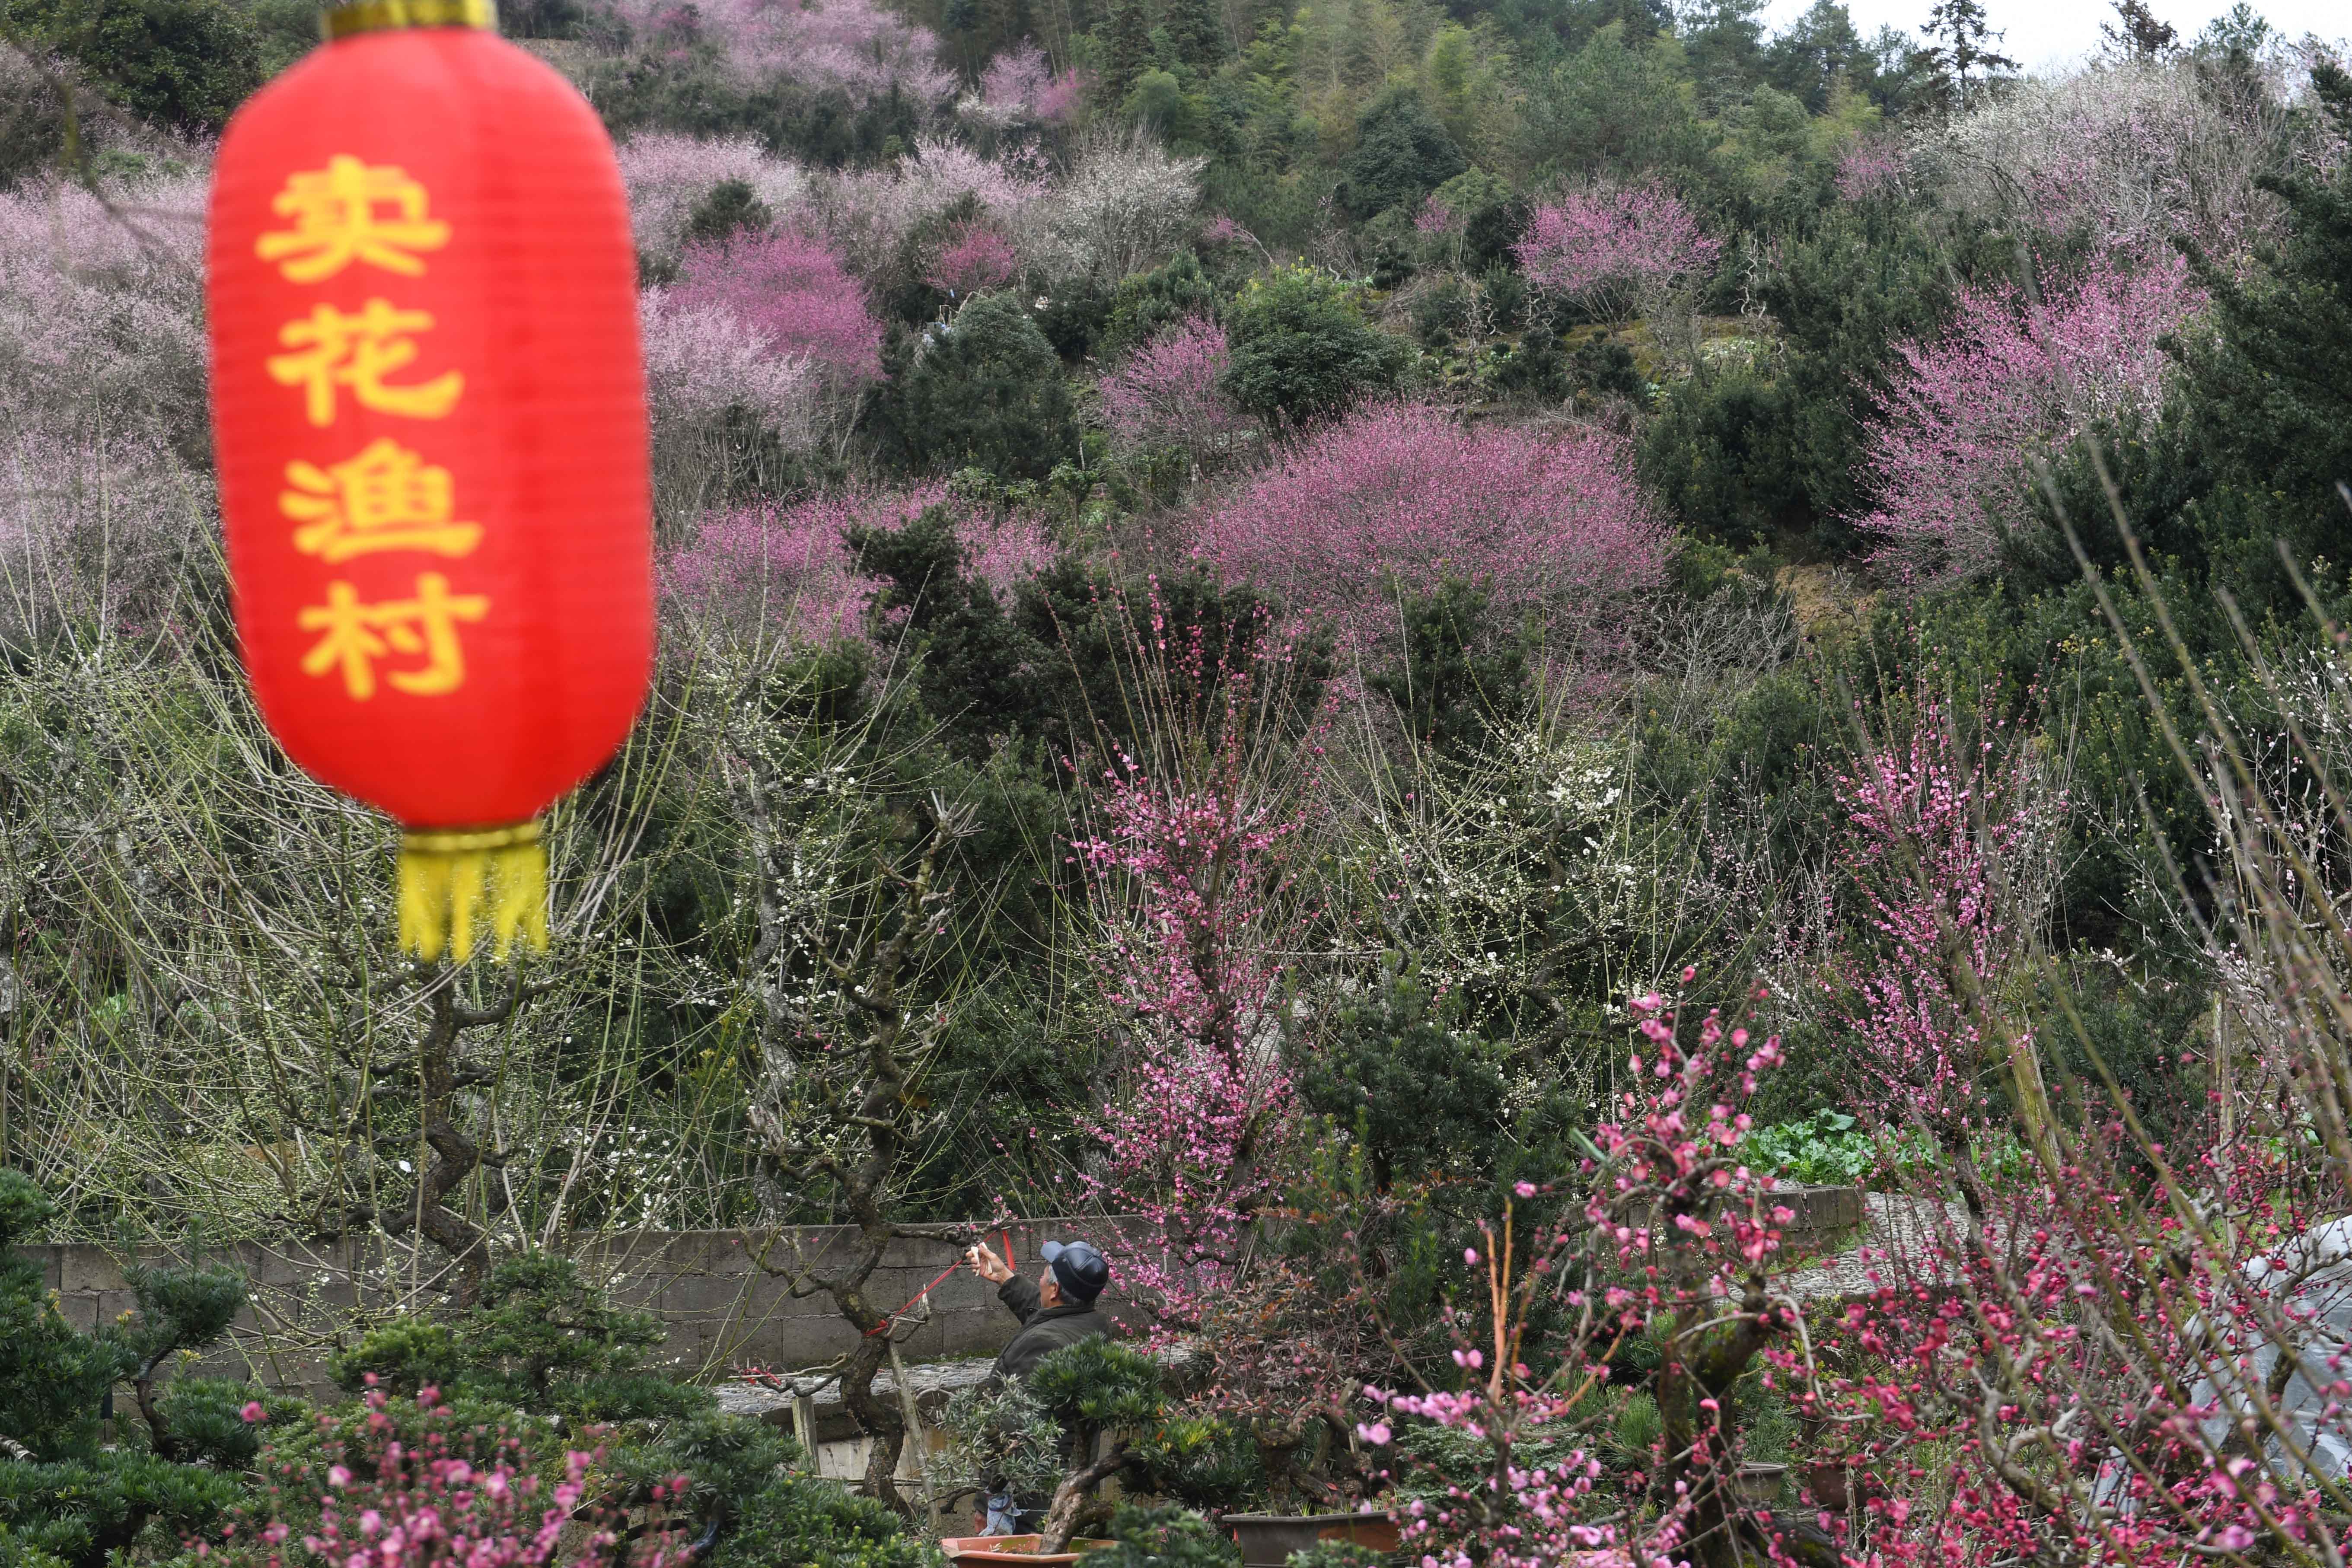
[(1044, 1330)]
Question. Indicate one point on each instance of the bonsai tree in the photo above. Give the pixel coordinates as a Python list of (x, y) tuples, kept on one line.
[(543, 1340), (65, 1498), (539, 1337), (1088, 1413)]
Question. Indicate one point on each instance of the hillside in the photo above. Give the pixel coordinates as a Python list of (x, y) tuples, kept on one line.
[(1311, 603)]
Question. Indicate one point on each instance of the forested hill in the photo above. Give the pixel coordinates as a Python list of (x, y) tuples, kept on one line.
[(1582, 481)]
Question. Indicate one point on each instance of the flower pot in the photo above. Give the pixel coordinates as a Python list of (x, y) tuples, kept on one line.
[(1760, 1482), (1267, 1539), (1832, 1484), (1013, 1549)]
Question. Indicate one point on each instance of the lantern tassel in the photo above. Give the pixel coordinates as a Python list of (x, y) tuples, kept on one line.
[(445, 879)]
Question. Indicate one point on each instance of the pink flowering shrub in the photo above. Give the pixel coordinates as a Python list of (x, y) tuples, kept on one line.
[(2136, 1358), (784, 570), (792, 290), (1872, 166), (413, 1489), (1948, 846), (707, 374), (2007, 381), (976, 257), (1609, 245), (1167, 394), (860, 48), (1192, 890), (768, 328), (667, 174), (1676, 1242), (1022, 84), (1405, 496), (2135, 1353)]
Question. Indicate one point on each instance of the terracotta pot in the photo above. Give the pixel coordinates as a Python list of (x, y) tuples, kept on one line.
[(1831, 1485), (1267, 1539), (1013, 1549)]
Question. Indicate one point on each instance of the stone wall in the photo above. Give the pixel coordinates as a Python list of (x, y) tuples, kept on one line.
[(720, 1292), (725, 1310)]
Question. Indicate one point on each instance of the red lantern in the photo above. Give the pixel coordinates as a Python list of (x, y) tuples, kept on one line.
[(429, 407)]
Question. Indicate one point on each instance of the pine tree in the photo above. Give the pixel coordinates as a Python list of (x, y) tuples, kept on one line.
[(1965, 45), (1195, 33), (1125, 50), (988, 393), (67, 1498), (2138, 32)]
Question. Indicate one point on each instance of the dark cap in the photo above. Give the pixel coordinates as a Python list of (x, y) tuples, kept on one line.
[(1078, 1268)]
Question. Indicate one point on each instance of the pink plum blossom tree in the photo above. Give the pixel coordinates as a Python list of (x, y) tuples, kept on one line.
[(2010, 379), (1948, 850), (976, 257), (860, 48), (766, 570), (1874, 165), (667, 174), (2115, 1365), (414, 1490), (768, 328), (703, 369), (105, 486), (1194, 902), (1021, 84), (1167, 393), (793, 292), (1676, 1244), (1609, 244), (1553, 527)]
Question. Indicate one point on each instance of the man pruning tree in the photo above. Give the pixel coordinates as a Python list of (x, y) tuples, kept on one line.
[(1055, 1309)]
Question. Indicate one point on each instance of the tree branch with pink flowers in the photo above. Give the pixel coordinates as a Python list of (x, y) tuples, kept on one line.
[(1199, 921), (1677, 1243)]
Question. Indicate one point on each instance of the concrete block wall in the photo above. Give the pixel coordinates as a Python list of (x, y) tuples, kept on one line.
[(724, 1308), (721, 1293)]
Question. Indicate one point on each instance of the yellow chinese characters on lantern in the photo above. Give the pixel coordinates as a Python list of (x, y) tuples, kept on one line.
[(339, 216), (386, 498), (353, 635), (332, 349)]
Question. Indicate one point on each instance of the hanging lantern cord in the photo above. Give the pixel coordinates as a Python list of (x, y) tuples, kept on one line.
[(449, 881)]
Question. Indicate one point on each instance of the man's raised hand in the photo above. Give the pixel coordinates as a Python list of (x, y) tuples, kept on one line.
[(987, 1265)]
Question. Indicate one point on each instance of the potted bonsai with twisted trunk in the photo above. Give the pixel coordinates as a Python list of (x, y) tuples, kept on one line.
[(1084, 1414)]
